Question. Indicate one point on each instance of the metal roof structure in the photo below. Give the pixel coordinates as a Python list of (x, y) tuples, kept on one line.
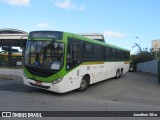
[(95, 36), (12, 37)]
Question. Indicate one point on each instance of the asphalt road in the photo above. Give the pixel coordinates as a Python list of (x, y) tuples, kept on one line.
[(132, 92)]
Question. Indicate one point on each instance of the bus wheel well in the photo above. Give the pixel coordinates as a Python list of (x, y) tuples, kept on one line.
[(118, 74), (84, 83), (87, 77)]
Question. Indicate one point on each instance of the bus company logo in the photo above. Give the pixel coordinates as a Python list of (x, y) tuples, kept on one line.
[(6, 114)]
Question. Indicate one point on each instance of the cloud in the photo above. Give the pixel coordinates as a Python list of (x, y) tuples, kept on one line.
[(18, 2), (68, 4), (43, 25), (113, 34)]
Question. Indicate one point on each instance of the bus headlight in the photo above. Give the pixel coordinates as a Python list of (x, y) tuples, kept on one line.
[(57, 81)]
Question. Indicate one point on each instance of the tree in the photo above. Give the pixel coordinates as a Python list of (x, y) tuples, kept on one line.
[(143, 56)]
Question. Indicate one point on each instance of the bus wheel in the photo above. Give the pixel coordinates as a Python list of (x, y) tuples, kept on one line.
[(84, 84), (118, 74), (121, 72)]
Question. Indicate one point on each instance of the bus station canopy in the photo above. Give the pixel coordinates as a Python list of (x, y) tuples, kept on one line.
[(12, 37), (95, 36)]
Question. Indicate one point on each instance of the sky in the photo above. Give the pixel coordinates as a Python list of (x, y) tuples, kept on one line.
[(123, 22)]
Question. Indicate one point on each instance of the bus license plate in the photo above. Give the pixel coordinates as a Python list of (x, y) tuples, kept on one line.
[(38, 83)]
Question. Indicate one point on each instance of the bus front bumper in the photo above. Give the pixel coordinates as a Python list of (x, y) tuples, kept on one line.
[(47, 86)]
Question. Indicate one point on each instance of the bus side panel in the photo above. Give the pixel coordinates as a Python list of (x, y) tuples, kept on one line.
[(72, 80), (126, 66), (96, 72), (110, 69)]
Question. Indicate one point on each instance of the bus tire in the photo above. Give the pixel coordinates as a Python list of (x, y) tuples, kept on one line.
[(84, 84), (121, 72), (118, 74)]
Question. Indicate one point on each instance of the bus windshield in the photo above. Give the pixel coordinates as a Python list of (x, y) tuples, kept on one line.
[(44, 54)]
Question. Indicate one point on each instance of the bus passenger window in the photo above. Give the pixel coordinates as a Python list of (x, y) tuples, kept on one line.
[(73, 53), (87, 51)]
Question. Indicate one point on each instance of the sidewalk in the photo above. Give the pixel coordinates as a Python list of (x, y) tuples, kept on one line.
[(14, 72)]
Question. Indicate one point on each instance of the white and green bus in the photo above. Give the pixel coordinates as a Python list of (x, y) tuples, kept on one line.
[(61, 61)]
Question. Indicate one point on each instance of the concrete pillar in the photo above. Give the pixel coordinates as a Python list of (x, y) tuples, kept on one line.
[(10, 56)]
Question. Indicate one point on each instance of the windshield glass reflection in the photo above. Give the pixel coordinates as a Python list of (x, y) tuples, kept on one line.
[(44, 54)]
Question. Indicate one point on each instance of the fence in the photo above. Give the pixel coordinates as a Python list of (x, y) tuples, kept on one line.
[(148, 67)]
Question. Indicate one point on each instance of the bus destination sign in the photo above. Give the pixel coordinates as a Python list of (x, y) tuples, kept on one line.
[(46, 34)]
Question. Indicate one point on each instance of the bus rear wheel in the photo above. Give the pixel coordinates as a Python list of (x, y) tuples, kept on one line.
[(84, 84)]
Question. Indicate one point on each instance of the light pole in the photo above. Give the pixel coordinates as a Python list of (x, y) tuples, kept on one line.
[(138, 45), (139, 40)]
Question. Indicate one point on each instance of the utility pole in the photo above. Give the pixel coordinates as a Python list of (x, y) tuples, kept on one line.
[(139, 40), (138, 45), (139, 48)]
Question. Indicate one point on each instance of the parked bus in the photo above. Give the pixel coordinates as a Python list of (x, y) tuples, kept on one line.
[(16, 59), (61, 61)]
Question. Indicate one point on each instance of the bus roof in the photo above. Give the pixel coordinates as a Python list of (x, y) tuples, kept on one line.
[(98, 42)]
